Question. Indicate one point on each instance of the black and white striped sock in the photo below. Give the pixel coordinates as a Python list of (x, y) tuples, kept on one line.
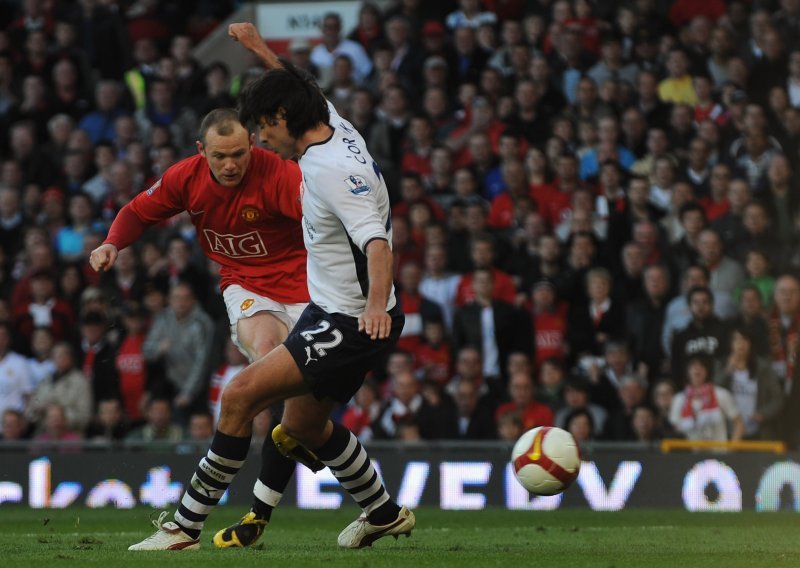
[(276, 471), (213, 475), (350, 464)]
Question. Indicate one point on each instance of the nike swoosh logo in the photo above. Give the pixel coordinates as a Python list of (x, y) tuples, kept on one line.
[(195, 212)]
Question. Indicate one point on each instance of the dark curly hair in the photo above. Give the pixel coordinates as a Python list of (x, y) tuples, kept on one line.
[(289, 89)]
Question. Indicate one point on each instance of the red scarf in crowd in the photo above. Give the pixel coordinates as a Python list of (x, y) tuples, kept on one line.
[(707, 397)]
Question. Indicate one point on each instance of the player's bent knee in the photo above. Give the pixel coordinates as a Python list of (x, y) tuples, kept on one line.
[(235, 400), (263, 347)]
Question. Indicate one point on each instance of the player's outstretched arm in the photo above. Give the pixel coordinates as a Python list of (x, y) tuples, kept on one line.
[(247, 34), (375, 322), (103, 257)]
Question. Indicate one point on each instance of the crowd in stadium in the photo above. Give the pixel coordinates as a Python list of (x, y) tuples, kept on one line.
[(595, 217)]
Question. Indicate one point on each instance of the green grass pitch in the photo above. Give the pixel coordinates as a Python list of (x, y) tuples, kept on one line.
[(85, 537)]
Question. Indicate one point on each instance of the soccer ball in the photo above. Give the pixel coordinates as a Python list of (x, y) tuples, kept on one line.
[(546, 460)]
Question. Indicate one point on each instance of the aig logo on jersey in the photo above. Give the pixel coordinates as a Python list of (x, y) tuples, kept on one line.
[(250, 214), (357, 185), (235, 246)]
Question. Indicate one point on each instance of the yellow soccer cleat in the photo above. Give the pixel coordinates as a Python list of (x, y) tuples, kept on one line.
[(291, 448), (244, 533)]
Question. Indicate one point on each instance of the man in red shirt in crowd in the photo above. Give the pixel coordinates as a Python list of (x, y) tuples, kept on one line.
[(521, 391), (245, 203), (482, 253)]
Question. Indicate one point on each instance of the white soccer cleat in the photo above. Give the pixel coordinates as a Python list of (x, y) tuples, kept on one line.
[(361, 532), (168, 536)]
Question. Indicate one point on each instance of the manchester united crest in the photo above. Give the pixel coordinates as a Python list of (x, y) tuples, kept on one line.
[(246, 304), (250, 214)]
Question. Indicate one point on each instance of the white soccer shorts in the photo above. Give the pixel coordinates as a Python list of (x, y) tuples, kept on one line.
[(242, 303)]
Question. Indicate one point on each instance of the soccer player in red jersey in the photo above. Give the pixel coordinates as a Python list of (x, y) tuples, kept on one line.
[(245, 203)]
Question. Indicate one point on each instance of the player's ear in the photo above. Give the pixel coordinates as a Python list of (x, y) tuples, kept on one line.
[(252, 139), (200, 148)]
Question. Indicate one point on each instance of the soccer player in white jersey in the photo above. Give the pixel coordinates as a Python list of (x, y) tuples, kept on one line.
[(350, 325)]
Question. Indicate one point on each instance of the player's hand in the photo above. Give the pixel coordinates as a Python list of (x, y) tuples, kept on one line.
[(103, 257), (246, 34), (375, 323)]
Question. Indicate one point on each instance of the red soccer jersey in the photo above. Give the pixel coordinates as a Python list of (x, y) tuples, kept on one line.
[(534, 415), (132, 375), (253, 230), (504, 288), (550, 331)]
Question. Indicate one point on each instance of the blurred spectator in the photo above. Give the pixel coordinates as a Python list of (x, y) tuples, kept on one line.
[(606, 374), (201, 427), (576, 396), (522, 394), (645, 424), (593, 324), (16, 383), (701, 410), (14, 427), (158, 426), (98, 356), (125, 281), (632, 393), (549, 318), (677, 87), (752, 319), (482, 253), (784, 326), (679, 313), (754, 387), (437, 418), (469, 15), (369, 30), (403, 407), (705, 334), (44, 309), (41, 365), (234, 362), (162, 109), (663, 394), (550, 389), (509, 427), (333, 45), (109, 423), (437, 284), (69, 239), (55, 428), (646, 315), (99, 124), (580, 424), (611, 64), (416, 307), (68, 387), (181, 337), (433, 357), (495, 327), (363, 410), (475, 420), (11, 220)]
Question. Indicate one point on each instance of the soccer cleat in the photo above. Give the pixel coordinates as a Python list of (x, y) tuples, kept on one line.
[(361, 532), (291, 448), (244, 533), (168, 536)]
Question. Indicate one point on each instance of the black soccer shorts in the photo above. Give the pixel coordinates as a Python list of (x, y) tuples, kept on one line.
[(333, 355)]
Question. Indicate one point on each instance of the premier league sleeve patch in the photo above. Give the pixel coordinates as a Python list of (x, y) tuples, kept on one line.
[(357, 185), (154, 187)]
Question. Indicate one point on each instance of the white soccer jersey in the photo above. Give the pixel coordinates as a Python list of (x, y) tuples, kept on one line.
[(345, 206)]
